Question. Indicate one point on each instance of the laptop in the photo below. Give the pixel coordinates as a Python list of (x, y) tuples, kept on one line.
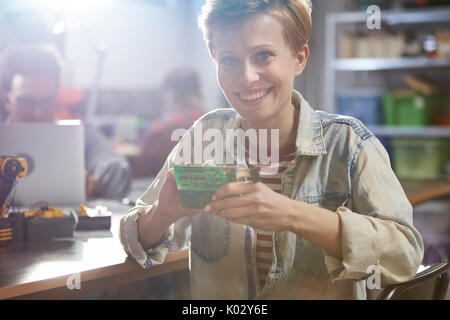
[(55, 156)]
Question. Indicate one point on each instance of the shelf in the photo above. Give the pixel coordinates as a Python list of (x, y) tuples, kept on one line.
[(429, 131), (395, 17), (374, 64), (337, 70)]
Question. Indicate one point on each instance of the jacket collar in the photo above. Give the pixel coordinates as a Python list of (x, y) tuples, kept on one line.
[(310, 140)]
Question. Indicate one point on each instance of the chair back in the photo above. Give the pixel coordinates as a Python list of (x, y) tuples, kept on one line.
[(430, 284)]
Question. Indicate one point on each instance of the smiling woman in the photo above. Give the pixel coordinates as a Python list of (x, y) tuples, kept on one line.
[(257, 59), (256, 71), (320, 220)]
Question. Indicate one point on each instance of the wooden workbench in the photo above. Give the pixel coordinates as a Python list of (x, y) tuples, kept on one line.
[(419, 192), (41, 270)]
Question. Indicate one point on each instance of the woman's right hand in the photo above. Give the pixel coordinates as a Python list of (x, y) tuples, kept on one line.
[(167, 210), (168, 206)]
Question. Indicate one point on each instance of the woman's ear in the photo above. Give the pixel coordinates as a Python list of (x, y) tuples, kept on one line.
[(301, 59)]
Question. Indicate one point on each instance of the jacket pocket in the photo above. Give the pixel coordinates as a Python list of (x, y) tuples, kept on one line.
[(309, 258), (210, 238)]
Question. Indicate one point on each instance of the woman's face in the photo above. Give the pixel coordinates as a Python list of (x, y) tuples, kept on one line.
[(256, 68)]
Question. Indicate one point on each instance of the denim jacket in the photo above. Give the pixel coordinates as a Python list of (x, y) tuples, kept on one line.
[(339, 165)]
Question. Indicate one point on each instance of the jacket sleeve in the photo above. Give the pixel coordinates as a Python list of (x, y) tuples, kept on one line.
[(377, 232), (176, 238)]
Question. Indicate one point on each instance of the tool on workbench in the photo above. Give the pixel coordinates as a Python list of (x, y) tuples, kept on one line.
[(11, 168), (41, 222), (98, 218), (44, 222), (43, 211)]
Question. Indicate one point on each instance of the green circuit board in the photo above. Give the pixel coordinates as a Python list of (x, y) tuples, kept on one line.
[(197, 184)]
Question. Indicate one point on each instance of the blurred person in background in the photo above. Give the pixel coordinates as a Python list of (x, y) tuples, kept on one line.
[(182, 106), (29, 92)]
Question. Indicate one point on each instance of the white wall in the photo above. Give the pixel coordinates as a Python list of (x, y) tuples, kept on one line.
[(201, 59), (312, 82), (143, 41)]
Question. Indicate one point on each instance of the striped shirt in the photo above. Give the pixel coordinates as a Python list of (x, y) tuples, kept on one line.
[(270, 175)]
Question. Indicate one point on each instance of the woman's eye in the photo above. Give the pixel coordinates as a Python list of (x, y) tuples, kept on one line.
[(264, 56), (228, 61)]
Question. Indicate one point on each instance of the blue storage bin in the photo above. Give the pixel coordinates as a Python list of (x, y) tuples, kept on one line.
[(366, 106)]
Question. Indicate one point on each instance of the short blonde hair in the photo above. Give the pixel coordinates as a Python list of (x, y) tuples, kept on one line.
[(294, 15)]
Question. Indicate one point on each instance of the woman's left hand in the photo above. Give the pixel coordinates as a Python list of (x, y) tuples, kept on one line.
[(254, 204)]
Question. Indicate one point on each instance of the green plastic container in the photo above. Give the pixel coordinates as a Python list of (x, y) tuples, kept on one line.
[(408, 108), (420, 158)]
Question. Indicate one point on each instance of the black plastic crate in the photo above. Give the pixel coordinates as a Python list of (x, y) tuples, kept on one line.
[(48, 228), (93, 223)]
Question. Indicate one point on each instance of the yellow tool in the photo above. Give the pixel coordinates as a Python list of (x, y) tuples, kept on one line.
[(83, 211), (11, 168), (44, 212)]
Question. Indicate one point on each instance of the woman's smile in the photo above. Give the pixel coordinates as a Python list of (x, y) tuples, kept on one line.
[(254, 96)]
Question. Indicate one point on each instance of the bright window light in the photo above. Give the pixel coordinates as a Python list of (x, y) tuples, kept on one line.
[(74, 4), (59, 27)]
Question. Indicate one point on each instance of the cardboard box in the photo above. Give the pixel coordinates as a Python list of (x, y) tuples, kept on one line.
[(443, 41), (347, 45), (363, 47)]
